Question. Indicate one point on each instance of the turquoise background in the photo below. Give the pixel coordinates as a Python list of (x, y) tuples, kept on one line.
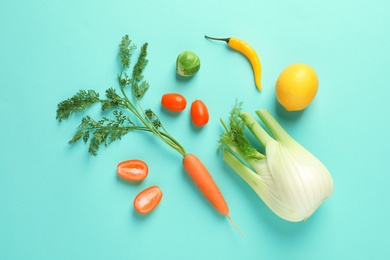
[(58, 202)]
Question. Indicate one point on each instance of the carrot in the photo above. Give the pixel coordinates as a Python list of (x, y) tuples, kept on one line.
[(204, 181)]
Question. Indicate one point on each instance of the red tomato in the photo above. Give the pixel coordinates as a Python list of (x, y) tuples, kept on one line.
[(174, 102), (132, 170), (199, 113), (147, 200)]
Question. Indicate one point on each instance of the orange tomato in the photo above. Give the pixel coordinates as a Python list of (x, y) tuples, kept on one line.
[(174, 102), (199, 113), (147, 200), (133, 170)]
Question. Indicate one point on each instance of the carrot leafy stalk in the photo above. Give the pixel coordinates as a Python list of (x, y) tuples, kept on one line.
[(107, 130)]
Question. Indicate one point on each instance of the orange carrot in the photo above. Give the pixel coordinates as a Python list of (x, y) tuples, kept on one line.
[(204, 181)]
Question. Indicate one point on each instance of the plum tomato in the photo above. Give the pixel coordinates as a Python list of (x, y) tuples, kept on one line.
[(133, 170), (174, 102), (199, 113), (147, 200)]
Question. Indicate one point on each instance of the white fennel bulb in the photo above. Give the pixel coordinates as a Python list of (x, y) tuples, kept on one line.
[(291, 181)]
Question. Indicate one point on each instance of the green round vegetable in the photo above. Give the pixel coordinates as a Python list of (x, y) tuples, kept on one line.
[(187, 64)]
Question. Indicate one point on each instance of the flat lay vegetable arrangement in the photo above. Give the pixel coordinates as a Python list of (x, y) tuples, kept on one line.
[(287, 177)]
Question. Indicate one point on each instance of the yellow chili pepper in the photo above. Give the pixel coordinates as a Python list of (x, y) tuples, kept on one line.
[(248, 51)]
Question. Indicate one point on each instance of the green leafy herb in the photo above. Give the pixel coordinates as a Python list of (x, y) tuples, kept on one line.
[(125, 49), (80, 101), (104, 131), (107, 130), (235, 136)]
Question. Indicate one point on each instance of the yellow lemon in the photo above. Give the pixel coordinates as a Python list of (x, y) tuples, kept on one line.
[(296, 86)]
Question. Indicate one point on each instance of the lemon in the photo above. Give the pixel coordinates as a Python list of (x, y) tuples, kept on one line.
[(296, 86)]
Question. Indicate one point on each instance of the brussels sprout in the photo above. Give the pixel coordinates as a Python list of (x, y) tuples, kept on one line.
[(187, 64)]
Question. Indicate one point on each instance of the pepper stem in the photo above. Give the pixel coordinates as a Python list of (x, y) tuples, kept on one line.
[(218, 39)]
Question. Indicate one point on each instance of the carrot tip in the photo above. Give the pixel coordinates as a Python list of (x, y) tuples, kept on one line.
[(234, 225)]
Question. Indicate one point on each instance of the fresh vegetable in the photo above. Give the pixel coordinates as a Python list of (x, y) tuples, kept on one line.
[(187, 64), (296, 86), (133, 170), (147, 200), (107, 130), (248, 51), (174, 102), (199, 113), (288, 178), (202, 178)]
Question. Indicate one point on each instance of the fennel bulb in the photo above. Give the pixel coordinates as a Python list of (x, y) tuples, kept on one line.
[(288, 178)]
